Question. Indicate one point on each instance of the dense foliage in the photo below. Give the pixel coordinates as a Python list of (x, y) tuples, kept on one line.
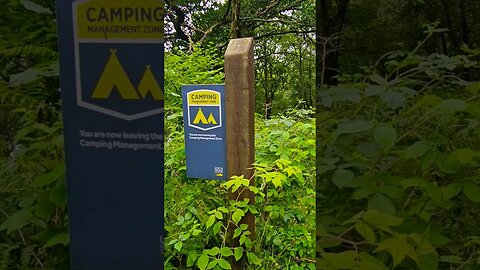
[(399, 164)]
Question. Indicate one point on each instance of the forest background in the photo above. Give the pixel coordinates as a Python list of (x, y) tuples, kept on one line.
[(398, 134), (33, 205)]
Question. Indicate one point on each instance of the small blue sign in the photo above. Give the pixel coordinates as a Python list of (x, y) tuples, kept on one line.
[(205, 133)]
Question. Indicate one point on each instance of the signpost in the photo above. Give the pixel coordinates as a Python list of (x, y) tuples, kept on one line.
[(111, 60), (240, 95), (204, 121), (219, 129)]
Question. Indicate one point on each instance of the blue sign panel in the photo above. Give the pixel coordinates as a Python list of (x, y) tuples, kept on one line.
[(204, 121), (111, 61)]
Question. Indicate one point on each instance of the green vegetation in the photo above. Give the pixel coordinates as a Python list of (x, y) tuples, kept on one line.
[(398, 156)]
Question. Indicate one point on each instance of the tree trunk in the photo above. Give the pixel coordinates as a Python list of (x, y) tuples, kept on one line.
[(235, 29)]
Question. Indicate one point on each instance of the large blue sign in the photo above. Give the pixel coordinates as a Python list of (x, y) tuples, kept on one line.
[(204, 121), (111, 60)]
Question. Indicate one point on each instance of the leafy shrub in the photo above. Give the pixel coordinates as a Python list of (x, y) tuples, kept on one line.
[(398, 166)]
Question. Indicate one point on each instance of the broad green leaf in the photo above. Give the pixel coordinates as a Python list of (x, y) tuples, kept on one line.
[(451, 259), (178, 245), (385, 136), (237, 215), (376, 218), (394, 99), (354, 127), (342, 177), (212, 252), (17, 221), (368, 262), (381, 203), (210, 221), (35, 7), (61, 238), (341, 260), (398, 247), (238, 252), (50, 177), (450, 106), (416, 150), (451, 191), (217, 227), (224, 264), (191, 257), (464, 156), (365, 231), (212, 264), (378, 79), (374, 90), (428, 262), (225, 251), (58, 194), (252, 258), (472, 191)]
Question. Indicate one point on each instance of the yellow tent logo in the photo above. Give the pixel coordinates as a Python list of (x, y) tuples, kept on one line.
[(200, 118), (115, 77)]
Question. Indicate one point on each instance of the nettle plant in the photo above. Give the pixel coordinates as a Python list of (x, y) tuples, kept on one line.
[(399, 166), (198, 213)]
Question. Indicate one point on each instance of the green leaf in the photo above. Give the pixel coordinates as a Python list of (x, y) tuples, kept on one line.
[(35, 7), (450, 106), (451, 191), (374, 90), (210, 221), (17, 221), (378, 219), (50, 177), (61, 238), (224, 264), (451, 259), (464, 156), (365, 231), (428, 262), (217, 227), (385, 136), (472, 191), (212, 264), (178, 245), (416, 150), (252, 258), (354, 127), (398, 247), (58, 195), (238, 252), (218, 215), (368, 262), (191, 257), (237, 215), (341, 178), (202, 262), (381, 203), (378, 79), (212, 252), (225, 251)]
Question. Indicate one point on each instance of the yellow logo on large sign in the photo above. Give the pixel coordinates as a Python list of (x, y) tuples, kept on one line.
[(114, 76)]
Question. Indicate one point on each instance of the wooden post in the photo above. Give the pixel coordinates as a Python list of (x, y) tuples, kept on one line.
[(240, 96)]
